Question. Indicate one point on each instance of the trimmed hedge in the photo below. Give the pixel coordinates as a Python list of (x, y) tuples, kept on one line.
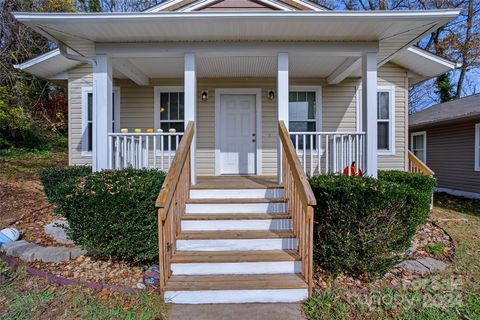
[(59, 181), (113, 214), (362, 224)]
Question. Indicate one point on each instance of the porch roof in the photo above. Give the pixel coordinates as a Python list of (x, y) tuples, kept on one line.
[(394, 30)]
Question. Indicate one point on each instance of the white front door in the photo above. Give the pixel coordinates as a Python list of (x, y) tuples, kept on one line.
[(237, 134)]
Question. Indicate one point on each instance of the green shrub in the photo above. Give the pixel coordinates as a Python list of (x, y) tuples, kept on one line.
[(361, 223), (60, 181), (112, 213), (420, 182)]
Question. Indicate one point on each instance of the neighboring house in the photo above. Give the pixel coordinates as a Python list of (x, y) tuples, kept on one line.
[(446, 137), (250, 77)]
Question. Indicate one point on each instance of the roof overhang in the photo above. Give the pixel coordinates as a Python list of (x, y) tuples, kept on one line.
[(394, 30), (472, 116), (51, 66), (423, 64)]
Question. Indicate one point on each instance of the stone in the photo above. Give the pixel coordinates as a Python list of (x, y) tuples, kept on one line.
[(77, 252), (413, 266), (53, 254), (17, 248), (29, 255), (56, 230), (140, 286), (151, 277), (432, 264)]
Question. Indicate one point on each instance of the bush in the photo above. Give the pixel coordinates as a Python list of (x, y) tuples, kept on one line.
[(362, 224), (60, 181), (112, 213)]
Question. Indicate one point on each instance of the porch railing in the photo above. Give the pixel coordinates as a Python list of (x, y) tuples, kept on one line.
[(329, 152), (142, 150), (171, 204), (301, 201), (416, 165)]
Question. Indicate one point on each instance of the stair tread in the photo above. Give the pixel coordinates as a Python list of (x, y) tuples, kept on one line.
[(236, 282), (235, 234), (236, 216), (235, 256), (236, 201)]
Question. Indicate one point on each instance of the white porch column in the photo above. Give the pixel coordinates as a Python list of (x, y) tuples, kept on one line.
[(369, 111), (190, 92), (102, 111), (282, 102)]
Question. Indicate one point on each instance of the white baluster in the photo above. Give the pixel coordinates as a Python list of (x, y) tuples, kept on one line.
[(311, 154), (169, 150), (155, 152), (304, 140)]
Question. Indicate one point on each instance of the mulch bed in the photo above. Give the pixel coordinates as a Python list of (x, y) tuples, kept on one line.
[(397, 277), (115, 272)]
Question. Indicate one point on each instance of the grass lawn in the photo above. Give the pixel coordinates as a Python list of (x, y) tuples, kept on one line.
[(25, 297), (454, 294)]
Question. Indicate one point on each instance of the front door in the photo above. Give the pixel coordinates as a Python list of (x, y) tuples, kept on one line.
[(237, 134)]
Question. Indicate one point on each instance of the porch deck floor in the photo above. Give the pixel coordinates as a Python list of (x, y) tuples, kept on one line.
[(236, 182)]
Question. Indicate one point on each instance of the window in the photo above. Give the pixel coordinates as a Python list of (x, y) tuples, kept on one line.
[(303, 113), (169, 111), (385, 123), (87, 117), (477, 147), (418, 145)]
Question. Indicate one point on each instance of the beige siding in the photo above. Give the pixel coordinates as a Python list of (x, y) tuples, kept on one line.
[(338, 113), (391, 74), (451, 155), (79, 78)]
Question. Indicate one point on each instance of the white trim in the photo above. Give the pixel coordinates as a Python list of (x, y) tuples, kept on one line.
[(258, 124), (162, 6), (117, 92), (199, 4), (459, 193), (424, 134), (156, 102), (477, 147), (433, 57), (84, 142), (385, 15), (318, 108), (358, 108), (392, 137), (37, 60)]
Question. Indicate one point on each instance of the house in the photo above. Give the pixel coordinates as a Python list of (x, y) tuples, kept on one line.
[(446, 137), (240, 100)]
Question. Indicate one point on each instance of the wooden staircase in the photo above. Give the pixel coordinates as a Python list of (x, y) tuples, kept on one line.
[(233, 240)]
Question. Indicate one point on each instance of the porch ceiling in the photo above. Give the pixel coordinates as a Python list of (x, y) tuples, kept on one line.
[(234, 66)]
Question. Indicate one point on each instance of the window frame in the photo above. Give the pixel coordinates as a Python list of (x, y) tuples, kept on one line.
[(419, 133), (85, 92), (318, 110), (391, 120), (477, 147), (115, 118), (156, 101)]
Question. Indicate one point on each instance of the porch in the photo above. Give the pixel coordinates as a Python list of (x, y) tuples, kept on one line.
[(331, 120)]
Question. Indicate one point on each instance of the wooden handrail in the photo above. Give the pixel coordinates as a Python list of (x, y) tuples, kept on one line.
[(168, 188), (171, 202), (297, 171), (416, 165), (301, 201)]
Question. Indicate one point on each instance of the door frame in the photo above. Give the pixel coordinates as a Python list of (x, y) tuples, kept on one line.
[(258, 124)]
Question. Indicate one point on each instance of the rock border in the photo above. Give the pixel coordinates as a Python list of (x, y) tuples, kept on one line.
[(28, 251), (11, 261)]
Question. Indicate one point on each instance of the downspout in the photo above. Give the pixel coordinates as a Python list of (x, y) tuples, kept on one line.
[(63, 51)]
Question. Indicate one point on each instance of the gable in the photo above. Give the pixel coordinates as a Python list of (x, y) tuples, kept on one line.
[(236, 5)]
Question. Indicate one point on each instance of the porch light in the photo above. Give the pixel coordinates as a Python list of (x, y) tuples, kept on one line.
[(162, 109), (204, 95), (271, 94)]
